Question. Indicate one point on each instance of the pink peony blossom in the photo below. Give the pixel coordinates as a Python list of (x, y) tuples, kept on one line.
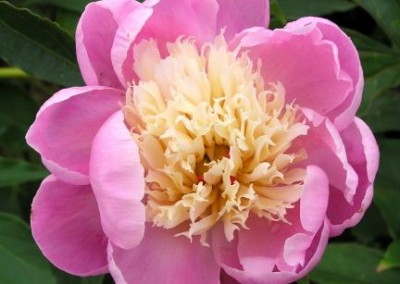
[(204, 148)]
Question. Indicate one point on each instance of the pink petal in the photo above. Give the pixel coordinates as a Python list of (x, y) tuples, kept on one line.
[(275, 252), (65, 127), (117, 178), (65, 174), (325, 148), (94, 39), (305, 63), (237, 15), (196, 18), (122, 49), (312, 258), (188, 17), (314, 202), (349, 61), (368, 154), (66, 225), (265, 242), (163, 258), (363, 154), (165, 21)]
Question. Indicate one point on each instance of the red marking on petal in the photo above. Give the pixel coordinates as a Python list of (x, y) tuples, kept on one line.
[(200, 179), (228, 154)]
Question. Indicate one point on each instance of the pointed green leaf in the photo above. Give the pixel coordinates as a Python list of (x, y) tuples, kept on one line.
[(388, 201), (377, 84), (381, 66), (365, 43), (391, 258), (13, 172), (387, 14), (387, 185), (371, 228), (68, 20), (351, 264), (383, 113), (72, 5), (16, 107), (21, 262), (38, 46)]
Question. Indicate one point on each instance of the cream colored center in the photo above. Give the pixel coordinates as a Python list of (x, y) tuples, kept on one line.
[(215, 141)]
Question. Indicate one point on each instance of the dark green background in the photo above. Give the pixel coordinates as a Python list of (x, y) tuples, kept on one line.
[(37, 57)]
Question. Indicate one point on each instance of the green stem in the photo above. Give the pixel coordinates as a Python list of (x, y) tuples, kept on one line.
[(12, 72)]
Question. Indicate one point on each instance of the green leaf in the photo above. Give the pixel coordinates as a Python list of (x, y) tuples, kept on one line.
[(72, 5), (388, 174), (294, 9), (387, 185), (375, 56), (352, 264), (12, 142), (17, 200), (13, 172), (16, 107), (37, 46), (383, 113), (377, 84), (391, 258), (387, 14), (388, 202), (277, 14), (68, 20), (376, 62), (381, 66), (365, 43), (21, 262), (9, 201), (371, 228), (17, 112)]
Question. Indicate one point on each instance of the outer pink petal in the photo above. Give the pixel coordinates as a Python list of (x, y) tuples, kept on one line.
[(305, 63), (312, 257), (325, 148), (363, 154), (278, 252), (94, 39), (349, 61), (117, 178), (196, 18), (237, 15), (165, 21), (163, 258), (66, 225), (65, 127)]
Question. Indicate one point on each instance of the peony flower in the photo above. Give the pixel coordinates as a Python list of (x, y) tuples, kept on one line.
[(204, 148)]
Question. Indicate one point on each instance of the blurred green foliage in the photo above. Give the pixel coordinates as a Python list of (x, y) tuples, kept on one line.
[(37, 57)]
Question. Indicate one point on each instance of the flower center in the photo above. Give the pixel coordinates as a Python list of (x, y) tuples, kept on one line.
[(214, 139)]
